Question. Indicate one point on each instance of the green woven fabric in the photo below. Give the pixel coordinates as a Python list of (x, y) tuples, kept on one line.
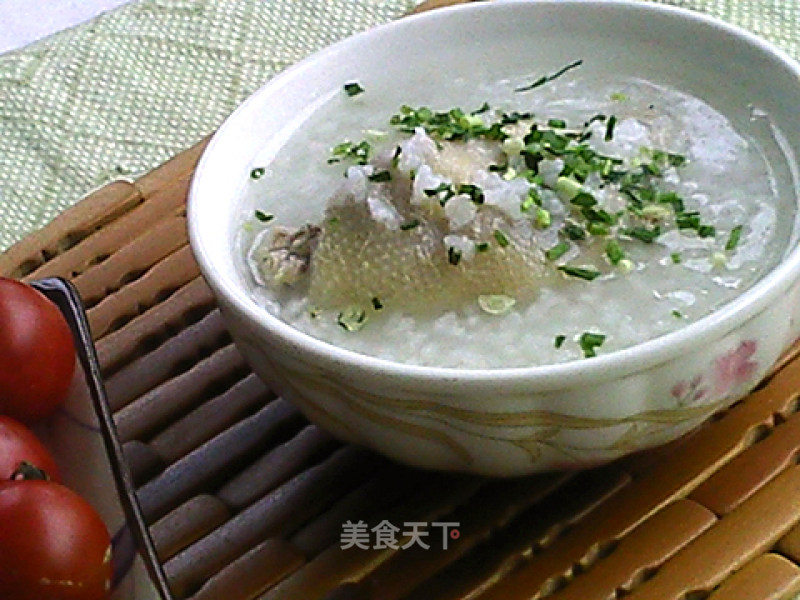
[(118, 96)]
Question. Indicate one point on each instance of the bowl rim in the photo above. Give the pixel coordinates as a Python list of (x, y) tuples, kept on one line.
[(616, 364)]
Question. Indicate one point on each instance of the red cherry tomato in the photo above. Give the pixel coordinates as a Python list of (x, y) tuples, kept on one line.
[(18, 444), (37, 356), (53, 545)]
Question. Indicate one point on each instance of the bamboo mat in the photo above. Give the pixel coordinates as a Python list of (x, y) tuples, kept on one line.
[(245, 499)]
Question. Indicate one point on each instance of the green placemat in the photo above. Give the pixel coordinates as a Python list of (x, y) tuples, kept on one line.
[(119, 95)]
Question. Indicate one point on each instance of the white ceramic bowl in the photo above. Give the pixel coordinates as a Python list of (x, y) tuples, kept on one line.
[(510, 421)]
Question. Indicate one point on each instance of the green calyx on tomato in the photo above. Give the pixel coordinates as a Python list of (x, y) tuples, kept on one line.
[(28, 472), (18, 445)]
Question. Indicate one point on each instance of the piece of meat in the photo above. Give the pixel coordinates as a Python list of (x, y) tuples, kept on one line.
[(285, 258), (358, 259)]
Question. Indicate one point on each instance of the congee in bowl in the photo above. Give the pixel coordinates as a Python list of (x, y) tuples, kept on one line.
[(512, 236), (511, 224)]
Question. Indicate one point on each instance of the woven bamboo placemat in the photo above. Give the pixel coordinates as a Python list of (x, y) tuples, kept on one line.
[(245, 499)]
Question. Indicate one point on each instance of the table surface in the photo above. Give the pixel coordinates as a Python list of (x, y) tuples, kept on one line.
[(24, 21)]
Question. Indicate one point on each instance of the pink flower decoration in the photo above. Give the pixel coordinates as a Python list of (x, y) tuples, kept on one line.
[(689, 392), (734, 368), (680, 389)]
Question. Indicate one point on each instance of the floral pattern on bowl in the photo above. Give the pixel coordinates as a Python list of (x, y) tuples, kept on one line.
[(729, 371), (516, 433)]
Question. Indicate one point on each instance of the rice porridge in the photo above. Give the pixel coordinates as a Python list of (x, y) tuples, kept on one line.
[(515, 223)]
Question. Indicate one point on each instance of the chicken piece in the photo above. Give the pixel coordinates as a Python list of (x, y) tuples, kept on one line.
[(358, 259), (285, 258), (408, 248)]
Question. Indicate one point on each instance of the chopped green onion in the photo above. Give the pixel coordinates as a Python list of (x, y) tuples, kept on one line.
[(596, 228), (559, 341), (574, 231), (676, 257), (610, 124), (532, 176), (473, 191), (614, 252), (409, 225), (548, 78), (257, 173), (652, 169), (618, 97), (656, 212), (352, 318), (454, 124), (557, 123), (668, 158), (501, 238), (589, 343), (643, 234), (733, 238), (481, 109), (453, 255), (396, 156), (705, 231), (568, 188), (470, 122), (527, 204), (379, 176), (671, 198), (677, 314), (597, 215), (542, 219), (376, 135), (691, 220), (688, 220), (376, 303), (557, 251), (360, 152), (482, 246), (496, 304), (583, 199), (554, 143), (263, 216), (580, 272), (514, 117), (626, 265), (353, 88), (513, 146), (533, 196), (597, 117), (439, 189)]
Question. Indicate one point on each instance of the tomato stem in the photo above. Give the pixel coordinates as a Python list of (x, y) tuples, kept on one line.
[(29, 472)]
